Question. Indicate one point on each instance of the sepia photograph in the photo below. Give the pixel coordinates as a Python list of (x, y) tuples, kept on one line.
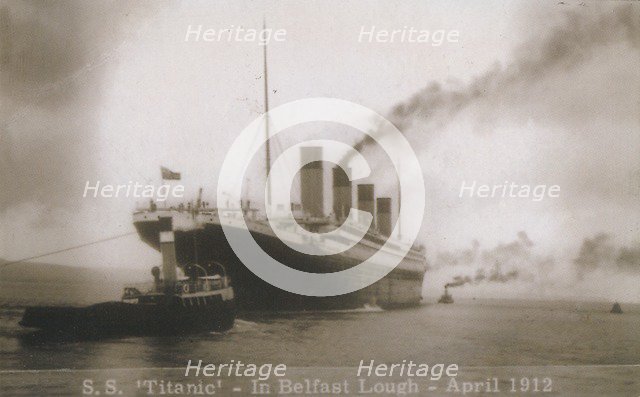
[(319, 198)]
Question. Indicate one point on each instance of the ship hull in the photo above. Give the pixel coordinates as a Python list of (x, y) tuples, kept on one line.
[(207, 243), (119, 319)]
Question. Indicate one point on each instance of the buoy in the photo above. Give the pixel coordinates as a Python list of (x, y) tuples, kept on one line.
[(616, 309)]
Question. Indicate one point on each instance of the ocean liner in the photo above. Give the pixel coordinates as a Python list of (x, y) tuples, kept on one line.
[(200, 240)]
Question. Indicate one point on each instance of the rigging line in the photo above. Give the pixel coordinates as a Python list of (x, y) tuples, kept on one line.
[(69, 248)]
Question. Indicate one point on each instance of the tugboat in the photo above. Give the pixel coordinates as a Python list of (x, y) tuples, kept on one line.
[(168, 306), (446, 297)]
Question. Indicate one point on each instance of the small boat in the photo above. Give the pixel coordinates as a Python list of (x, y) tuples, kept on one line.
[(195, 305), (446, 297), (616, 309)]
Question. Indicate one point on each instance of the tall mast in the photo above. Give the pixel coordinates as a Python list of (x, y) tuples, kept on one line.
[(266, 119)]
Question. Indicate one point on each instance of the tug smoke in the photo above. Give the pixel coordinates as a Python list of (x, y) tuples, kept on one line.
[(599, 255), (600, 252), (495, 275), (517, 257)]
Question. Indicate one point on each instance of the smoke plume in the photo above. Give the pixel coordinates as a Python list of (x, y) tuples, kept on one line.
[(501, 264), (517, 261), (563, 48), (600, 252)]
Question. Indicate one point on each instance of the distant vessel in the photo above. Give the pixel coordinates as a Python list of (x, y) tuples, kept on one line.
[(616, 309), (446, 297), (168, 306)]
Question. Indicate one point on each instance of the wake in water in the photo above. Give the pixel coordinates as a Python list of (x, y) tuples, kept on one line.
[(242, 326)]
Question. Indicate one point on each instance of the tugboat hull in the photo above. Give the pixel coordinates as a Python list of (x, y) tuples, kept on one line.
[(120, 318)]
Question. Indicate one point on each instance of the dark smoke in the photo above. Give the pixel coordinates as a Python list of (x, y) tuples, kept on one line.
[(600, 252), (563, 48), (495, 275), (516, 256), (517, 261), (519, 249)]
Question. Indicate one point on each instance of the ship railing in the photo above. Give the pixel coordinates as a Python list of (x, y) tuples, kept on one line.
[(186, 286), (201, 284), (188, 206)]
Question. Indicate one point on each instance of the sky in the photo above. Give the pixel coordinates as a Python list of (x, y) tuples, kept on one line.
[(537, 93)]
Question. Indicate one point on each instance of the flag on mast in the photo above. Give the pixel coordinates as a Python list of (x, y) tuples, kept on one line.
[(167, 174)]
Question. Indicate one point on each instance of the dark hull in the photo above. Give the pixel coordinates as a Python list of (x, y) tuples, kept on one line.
[(401, 288), (119, 318)]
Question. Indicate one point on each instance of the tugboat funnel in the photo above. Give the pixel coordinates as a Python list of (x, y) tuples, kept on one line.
[(446, 298), (168, 250)]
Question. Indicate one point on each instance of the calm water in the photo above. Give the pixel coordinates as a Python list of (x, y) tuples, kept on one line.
[(583, 347)]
